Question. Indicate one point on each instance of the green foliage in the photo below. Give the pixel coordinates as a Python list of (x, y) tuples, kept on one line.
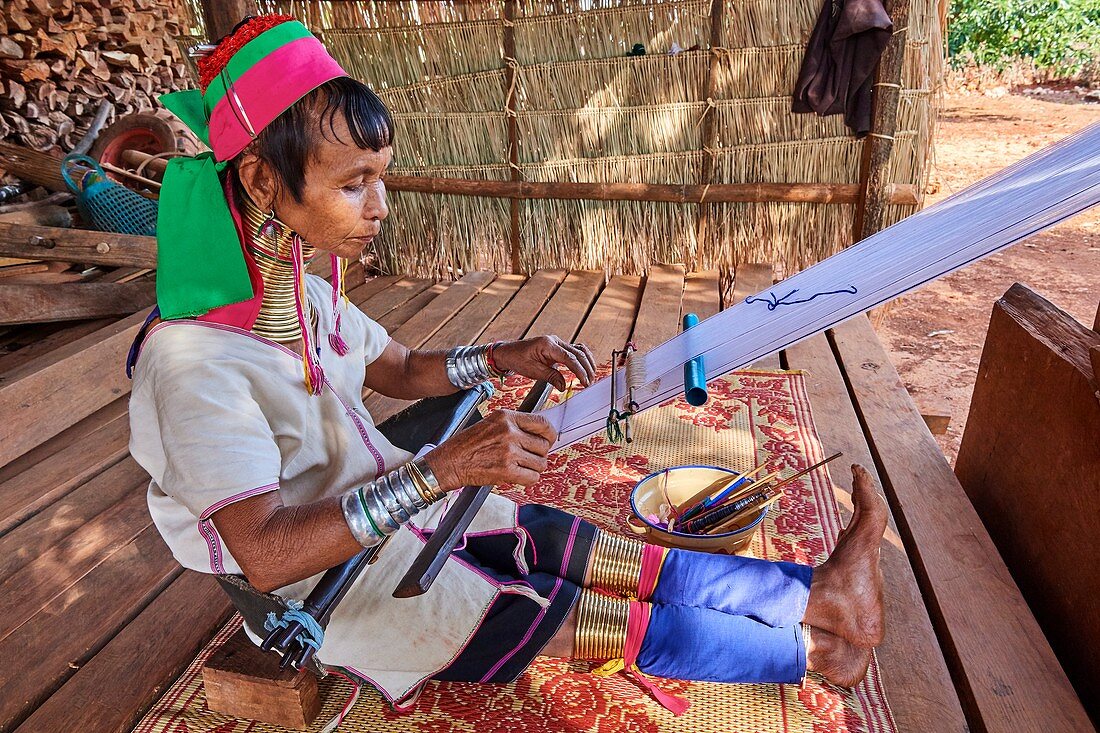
[(1060, 35)]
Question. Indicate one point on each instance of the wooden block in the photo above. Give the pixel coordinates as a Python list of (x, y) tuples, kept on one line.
[(245, 682), (937, 424), (1000, 659), (1030, 463)]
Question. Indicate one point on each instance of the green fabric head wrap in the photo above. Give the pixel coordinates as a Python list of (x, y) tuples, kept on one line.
[(200, 262)]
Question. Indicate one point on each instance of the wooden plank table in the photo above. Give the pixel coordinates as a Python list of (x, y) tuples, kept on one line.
[(93, 600)]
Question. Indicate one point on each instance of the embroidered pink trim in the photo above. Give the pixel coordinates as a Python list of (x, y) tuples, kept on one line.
[(209, 511)]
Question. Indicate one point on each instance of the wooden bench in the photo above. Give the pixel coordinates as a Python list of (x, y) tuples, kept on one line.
[(101, 605)]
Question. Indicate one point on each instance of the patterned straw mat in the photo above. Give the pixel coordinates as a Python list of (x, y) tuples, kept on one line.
[(751, 416)]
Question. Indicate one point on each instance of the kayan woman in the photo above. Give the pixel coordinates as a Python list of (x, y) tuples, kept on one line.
[(247, 413)]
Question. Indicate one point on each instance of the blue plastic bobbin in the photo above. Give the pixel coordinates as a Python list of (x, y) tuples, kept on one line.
[(695, 374)]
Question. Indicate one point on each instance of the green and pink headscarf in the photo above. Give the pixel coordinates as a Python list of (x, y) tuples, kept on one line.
[(251, 78)]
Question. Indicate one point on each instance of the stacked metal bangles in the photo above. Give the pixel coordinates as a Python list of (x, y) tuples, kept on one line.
[(471, 365), (378, 509)]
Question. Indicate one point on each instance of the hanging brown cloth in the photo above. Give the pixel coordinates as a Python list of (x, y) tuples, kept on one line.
[(840, 61)]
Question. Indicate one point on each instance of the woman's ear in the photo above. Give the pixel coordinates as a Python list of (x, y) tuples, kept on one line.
[(258, 180)]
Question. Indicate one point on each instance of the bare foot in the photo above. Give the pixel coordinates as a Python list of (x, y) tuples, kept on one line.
[(840, 662), (846, 591)]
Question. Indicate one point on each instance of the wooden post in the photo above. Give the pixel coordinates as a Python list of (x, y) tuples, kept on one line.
[(511, 77), (709, 130), (874, 166), (1030, 464), (1096, 322), (221, 15)]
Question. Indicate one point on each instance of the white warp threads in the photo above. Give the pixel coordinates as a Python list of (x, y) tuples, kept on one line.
[(1025, 198)]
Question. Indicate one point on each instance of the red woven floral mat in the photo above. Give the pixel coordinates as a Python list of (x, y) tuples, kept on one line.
[(751, 417)]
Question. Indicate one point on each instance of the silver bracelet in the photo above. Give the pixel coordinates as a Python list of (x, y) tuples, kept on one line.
[(468, 365), (379, 508), (364, 532)]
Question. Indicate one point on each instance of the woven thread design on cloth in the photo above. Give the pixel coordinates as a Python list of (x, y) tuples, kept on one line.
[(751, 416)]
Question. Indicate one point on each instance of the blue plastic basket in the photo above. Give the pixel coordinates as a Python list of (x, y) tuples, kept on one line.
[(107, 205)]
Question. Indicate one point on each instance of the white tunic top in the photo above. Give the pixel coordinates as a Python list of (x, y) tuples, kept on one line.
[(219, 414)]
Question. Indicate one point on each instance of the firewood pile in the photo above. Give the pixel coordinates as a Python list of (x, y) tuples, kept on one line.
[(58, 58)]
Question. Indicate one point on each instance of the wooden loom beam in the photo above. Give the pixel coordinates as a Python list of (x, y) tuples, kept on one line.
[(879, 144), (805, 193), (510, 79), (709, 130)]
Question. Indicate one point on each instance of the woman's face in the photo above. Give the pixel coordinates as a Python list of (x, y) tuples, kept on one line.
[(343, 200)]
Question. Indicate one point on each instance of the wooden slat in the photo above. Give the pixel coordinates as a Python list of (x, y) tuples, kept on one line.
[(565, 312), (467, 325), (522, 310), (54, 569), (360, 293), (56, 642), (397, 317), (113, 690), (72, 301), (918, 684), (84, 458), (611, 321), (463, 328), (659, 312), (47, 529), (63, 440), (1008, 677), (47, 395), (1030, 464), (750, 279), (422, 326), (396, 294), (77, 245), (701, 294), (42, 343)]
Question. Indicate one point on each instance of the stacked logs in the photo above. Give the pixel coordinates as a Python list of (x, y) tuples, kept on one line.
[(58, 58)]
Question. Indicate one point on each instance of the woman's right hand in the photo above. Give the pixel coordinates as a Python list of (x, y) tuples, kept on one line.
[(505, 448)]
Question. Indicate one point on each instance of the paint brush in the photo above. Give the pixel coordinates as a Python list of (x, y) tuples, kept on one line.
[(731, 523), (717, 491), (751, 487), (805, 471)]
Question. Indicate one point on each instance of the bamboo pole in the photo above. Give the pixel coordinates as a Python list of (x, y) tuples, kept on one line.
[(709, 132), (879, 144), (806, 193), (510, 78)]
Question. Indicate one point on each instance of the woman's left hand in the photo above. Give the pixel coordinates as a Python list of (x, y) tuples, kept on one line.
[(540, 357)]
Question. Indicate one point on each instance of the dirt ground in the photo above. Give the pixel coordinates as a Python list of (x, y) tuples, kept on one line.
[(935, 335)]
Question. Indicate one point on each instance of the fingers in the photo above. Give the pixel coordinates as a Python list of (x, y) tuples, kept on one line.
[(536, 425), (579, 361)]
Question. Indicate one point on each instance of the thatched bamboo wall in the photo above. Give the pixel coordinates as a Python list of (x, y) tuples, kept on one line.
[(586, 112)]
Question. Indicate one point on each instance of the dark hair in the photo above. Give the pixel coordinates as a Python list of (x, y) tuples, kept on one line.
[(292, 138)]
